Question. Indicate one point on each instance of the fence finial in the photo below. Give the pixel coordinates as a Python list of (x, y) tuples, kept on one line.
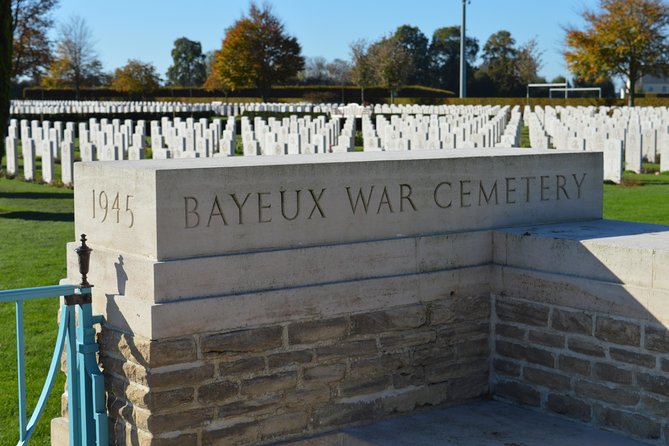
[(84, 253)]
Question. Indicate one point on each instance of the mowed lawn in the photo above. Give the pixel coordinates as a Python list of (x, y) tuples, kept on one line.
[(36, 221)]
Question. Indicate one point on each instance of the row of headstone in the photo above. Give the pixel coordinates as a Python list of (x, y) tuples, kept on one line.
[(618, 133), (44, 107), (472, 127), (297, 135)]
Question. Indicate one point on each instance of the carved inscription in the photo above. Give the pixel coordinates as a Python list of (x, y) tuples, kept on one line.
[(113, 207), (265, 206)]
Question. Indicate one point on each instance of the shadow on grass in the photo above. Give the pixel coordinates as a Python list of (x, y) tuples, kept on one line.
[(39, 216), (34, 195)]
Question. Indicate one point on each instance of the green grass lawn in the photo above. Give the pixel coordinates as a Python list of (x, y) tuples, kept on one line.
[(36, 221)]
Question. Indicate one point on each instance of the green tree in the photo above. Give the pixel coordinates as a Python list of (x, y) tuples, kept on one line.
[(445, 57), (31, 52), (188, 68), (392, 64), (5, 70), (136, 77), (75, 63), (499, 64), (413, 40), (257, 53), (626, 38)]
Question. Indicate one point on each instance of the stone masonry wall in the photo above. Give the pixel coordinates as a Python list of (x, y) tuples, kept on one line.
[(596, 368), (279, 381)]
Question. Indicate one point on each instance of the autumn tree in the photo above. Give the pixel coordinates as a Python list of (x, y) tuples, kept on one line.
[(188, 67), (391, 63), (75, 63), (362, 69), (257, 52), (445, 57), (412, 39), (136, 77), (5, 70), (528, 62), (31, 52), (626, 38)]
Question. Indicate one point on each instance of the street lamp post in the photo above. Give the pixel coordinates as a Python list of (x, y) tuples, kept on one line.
[(463, 63)]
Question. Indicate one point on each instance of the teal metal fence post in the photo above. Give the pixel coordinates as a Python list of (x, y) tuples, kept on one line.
[(88, 421)]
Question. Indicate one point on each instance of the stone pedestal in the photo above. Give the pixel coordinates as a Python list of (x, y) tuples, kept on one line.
[(258, 299)]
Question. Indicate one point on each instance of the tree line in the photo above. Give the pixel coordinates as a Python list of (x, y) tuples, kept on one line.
[(257, 52)]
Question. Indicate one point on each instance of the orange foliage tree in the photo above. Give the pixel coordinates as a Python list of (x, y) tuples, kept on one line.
[(256, 53), (627, 38)]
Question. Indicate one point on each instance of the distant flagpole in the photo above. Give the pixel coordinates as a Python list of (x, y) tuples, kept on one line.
[(463, 63)]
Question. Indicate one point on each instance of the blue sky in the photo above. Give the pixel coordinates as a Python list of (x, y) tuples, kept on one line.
[(146, 29)]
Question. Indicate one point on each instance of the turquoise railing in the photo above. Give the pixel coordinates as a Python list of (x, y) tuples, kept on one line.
[(85, 383)]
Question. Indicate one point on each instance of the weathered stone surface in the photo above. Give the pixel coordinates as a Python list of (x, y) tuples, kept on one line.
[(384, 364), (630, 357), (343, 413), (571, 364), (510, 331), (347, 349), (402, 318), (472, 348), (657, 339), (612, 373), (251, 407), (447, 370), (363, 386), (614, 395), (585, 347), (655, 407), (403, 341), (547, 339), (176, 378), (241, 366), (184, 419), (243, 341), (241, 433), (570, 407), (325, 373), (545, 378), (628, 422), (617, 331), (287, 359), (571, 321), (522, 352), (653, 383), (267, 384), (315, 331), (475, 385), (144, 351), (169, 399), (309, 396), (507, 368), (460, 309), (287, 423), (515, 391), (217, 392), (521, 312)]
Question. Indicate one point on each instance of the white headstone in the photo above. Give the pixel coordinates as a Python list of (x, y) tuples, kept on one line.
[(613, 160), (67, 162), (633, 152), (11, 146), (29, 160)]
